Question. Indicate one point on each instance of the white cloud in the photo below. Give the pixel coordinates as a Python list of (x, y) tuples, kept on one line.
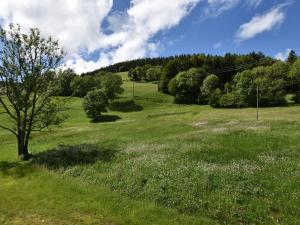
[(217, 7), (254, 3), (147, 18), (283, 55), (77, 25), (261, 23), (218, 45)]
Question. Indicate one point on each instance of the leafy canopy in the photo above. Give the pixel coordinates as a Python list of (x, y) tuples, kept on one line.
[(27, 64)]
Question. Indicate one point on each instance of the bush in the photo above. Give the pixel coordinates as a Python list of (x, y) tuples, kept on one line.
[(94, 103)]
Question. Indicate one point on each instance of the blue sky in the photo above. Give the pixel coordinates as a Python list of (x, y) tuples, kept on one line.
[(97, 33), (215, 35)]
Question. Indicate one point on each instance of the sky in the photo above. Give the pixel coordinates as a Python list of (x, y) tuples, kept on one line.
[(97, 33)]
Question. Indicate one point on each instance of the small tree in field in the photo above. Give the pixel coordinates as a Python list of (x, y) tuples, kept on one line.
[(27, 62), (94, 103)]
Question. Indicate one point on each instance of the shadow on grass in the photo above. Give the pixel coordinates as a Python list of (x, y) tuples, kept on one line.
[(15, 169), (68, 156), (107, 119), (126, 106)]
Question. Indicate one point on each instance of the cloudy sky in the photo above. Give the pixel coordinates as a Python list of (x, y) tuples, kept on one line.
[(97, 33)]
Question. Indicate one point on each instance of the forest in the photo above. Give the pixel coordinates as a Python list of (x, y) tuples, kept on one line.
[(229, 81)]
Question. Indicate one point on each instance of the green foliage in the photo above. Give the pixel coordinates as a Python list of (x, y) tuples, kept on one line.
[(95, 103), (112, 86), (246, 88), (186, 86), (168, 72), (64, 80), (228, 100), (153, 73), (212, 63), (292, 57), (210, 84), (27, 62), (137, 74), (296, 97), (145, 73), (271, 81), (294, 76), (214, 98), (82, 85)]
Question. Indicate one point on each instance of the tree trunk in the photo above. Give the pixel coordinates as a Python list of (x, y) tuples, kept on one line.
[(23, 153)]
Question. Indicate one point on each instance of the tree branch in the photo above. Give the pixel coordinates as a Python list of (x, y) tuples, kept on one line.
[(6, 109), (6, 128)]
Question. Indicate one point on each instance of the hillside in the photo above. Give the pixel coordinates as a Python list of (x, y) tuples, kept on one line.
[(154, 162)]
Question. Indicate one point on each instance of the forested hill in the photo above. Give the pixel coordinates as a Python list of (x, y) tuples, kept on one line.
[(213, 63)]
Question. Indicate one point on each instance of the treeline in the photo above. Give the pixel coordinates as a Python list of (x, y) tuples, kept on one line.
[(68, 83), (186, 61), (128, 65), (164, 69), (270, 83), (231, 80), (146, 73)]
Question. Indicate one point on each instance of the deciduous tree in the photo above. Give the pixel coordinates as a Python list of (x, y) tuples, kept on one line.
[(27, 62)]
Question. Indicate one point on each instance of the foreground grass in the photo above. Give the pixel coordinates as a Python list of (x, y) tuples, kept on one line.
[(180, 164), (39, 197)]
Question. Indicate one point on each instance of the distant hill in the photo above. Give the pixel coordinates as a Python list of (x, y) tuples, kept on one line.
[(214, 62)]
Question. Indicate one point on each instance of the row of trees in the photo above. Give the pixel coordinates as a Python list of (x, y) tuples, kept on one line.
[(271, 83), (212, 63), (68, 83), (98, 91), (165, 69), (146, 73)]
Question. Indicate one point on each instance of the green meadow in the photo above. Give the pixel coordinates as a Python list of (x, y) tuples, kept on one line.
[(153, 162)]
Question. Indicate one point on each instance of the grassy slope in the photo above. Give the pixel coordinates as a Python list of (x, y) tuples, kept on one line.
[(218, 166)]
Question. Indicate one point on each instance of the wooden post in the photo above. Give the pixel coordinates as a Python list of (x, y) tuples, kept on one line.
[(133, 90), (257, 103)]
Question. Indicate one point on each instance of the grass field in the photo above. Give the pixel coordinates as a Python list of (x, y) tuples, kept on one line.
[(153, 162)]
